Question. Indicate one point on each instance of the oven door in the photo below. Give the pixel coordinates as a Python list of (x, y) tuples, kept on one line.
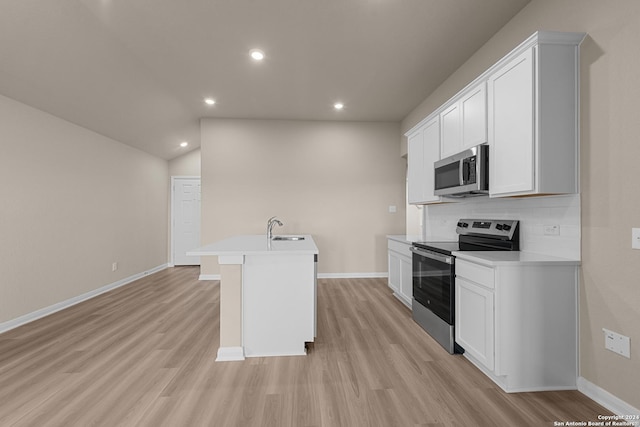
[(433, 281)]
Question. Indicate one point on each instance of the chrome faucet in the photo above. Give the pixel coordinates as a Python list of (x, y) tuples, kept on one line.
[(273, 220)]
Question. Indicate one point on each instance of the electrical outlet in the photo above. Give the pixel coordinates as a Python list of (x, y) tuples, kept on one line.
[(635, 238), (617, 343), (392, 209), (114, 266), (551, 230)]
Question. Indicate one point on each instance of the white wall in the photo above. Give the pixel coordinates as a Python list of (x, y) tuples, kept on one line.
[(73, 202), (187, 164), (334, 180)]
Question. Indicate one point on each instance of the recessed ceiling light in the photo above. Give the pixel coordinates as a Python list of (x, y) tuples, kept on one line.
[(338, 105), (209, 101), (256, 54), (184, 144)]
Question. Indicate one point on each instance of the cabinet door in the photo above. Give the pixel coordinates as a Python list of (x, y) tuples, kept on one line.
[(423, 151), (511, 132), (395, 271), (416, 172), (406, 284), (474, 324), (451, 141), (431, 154), (473, 108)]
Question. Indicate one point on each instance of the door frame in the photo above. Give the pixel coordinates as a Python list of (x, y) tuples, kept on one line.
[(174, 179)]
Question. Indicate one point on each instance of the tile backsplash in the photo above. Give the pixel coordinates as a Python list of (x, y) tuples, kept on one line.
[(534, 213)]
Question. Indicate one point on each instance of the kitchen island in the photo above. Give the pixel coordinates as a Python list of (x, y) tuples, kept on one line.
[(267, 295)]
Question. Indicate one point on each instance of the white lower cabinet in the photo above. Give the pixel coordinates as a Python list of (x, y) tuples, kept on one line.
[(518, 323), (406, 285), (400, 271), (395, 271), (474, 323)]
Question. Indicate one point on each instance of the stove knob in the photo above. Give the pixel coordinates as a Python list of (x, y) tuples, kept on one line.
[(506, 227), (498, 226), (460, 224)]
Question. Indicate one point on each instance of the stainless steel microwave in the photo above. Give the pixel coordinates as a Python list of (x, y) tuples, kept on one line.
[(463, 174)]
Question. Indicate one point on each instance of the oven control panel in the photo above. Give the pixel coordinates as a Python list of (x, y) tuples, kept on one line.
[(492, 227)]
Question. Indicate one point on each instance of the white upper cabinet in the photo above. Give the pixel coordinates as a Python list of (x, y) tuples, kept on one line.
[(423, 151), (431, 141), (511, 127), (451, 130), (464, 123), (525, 107), (533, 118), (473, 111), (416, 171)]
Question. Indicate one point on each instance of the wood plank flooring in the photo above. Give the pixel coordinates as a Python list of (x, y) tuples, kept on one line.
[(143, 355)]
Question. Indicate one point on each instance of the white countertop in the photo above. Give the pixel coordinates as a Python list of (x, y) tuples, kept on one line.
[(256, 244), (512, 258), (405, 238)]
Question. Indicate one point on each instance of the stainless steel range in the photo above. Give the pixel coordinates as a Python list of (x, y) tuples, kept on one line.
[(434, 273)]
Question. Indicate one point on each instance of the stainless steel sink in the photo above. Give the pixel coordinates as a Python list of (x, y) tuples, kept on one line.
[(290, 238)]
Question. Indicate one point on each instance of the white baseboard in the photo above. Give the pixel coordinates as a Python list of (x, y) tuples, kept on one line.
[(229, 354), (320, 276), (352, 275), (606, 399), (30, 317)]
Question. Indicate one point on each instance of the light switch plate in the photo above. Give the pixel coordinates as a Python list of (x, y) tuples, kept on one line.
[(635, 238), (392, 209)]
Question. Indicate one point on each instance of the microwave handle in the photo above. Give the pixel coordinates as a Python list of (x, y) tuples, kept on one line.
[(461, 172)]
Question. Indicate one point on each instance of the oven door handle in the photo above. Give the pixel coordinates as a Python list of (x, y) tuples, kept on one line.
[(432, 255)]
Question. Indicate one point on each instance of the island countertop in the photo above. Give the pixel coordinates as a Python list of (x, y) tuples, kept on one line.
[(257, 244)]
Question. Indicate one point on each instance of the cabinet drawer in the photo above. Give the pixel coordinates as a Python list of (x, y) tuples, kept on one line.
[(401, 248), (476, 273)]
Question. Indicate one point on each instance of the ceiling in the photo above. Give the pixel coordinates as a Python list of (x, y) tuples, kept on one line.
[(138, 71)]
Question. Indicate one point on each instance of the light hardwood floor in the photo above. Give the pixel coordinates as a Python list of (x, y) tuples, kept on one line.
[(143, 355)]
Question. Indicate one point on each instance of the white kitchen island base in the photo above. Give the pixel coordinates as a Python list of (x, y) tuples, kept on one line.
[(267, 296), (278, 305)]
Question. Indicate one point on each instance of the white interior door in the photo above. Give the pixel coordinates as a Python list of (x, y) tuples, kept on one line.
[(185, 208)]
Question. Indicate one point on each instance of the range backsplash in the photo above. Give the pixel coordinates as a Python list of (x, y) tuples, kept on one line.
[(534, 213)]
